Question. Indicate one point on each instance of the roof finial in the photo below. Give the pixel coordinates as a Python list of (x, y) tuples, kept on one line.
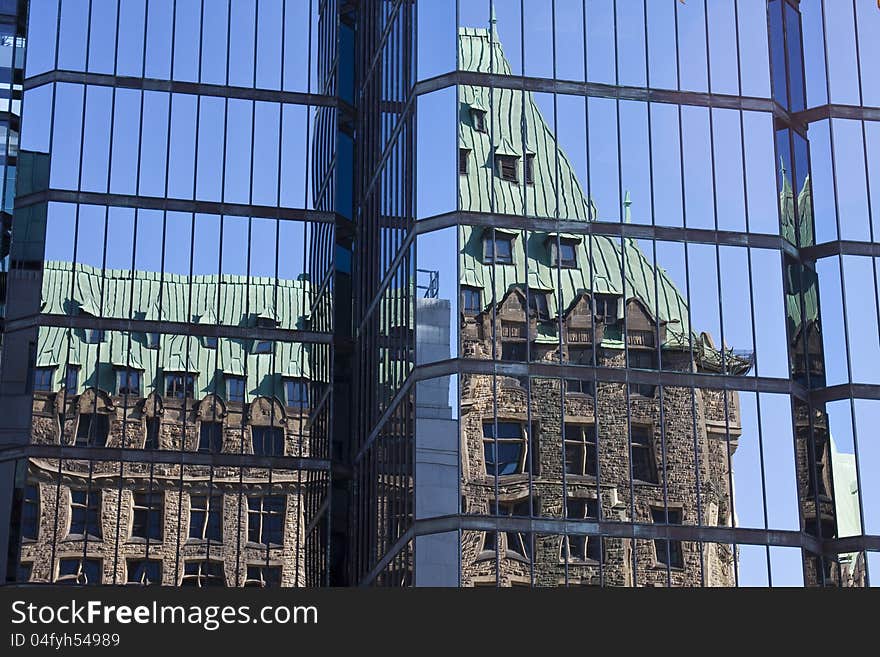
[(627, 202), (493, 20)]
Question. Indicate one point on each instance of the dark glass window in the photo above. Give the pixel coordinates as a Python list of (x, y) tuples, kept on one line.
[(263, 576), (669, 553), (23, 572), (539, 304), (578, 547), (509, 454), (235, 388), (203, 573), (85, 513), (507, 168), (179, 385), (268, 441), (642, 359), (499, 250), (30, 513), (471, 302), (147, 517), (266, 519), (210, 341), (516, 544), (144, 572), (71, 379), (128, 382), (152, 341), (479, 119), (580, 449), (644, 466), (210, 437), (463, 156), (153, 427), (94, 336), (530, 169), (79, 571), (514, 351), (263, 347), (206, 517), (567, 255), (43, 379), (579, 386), (297, 392), (92, 429), (606, 307)]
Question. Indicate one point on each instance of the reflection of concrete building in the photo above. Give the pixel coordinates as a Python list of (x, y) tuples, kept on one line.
[(569, 447), (140, 518)]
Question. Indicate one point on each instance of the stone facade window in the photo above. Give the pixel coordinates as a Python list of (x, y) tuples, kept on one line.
[(507, 451), (210, 437), (262, 576), (92, 430), (180, 385), (152, 439), (642, 359), (471, 301), (144, 572), (667, 553), (266, 519), (580, 449), (516, 545), (297, 393), (235, 388), (644, 465), (463, 157), (579, 386), (79, 571), (206, 517), (203, 573), (498, 250), (85, 514), (30, 513), (147, 517), (43, 379), (268, 441), (582, 548), (128, 382), (508, 167)]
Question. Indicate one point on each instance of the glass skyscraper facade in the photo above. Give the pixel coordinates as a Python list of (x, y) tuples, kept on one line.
[(492, 293)]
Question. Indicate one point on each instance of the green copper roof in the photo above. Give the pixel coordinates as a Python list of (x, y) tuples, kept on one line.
[(73, 290), (604, 264)]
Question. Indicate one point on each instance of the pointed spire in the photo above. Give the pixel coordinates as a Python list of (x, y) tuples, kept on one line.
[(493, 20)]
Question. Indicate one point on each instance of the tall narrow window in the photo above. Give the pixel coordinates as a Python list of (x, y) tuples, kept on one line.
[(43, 379), (530, 169), (92, 430), (463, 157), (85, 514), (478, 117), (30, 513), (210, 437), (668, 553), (268, 441), (580, 449), (153, 427), (576, 547), (71, 379), (235, 388), (203, 573), (644, 466), (266, 519), (147, 516), (539, 304), (206, 517)]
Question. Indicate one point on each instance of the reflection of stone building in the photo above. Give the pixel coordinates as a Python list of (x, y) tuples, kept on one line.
[(138, 516), (570, 447)]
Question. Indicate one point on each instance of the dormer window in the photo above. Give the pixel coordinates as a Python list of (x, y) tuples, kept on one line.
[(478, 117), (463, 156), (606, 307), (507, 167), (498, 250), (538, 304), (471, 302), (530, 169), (567, 255)]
